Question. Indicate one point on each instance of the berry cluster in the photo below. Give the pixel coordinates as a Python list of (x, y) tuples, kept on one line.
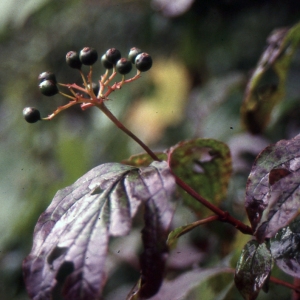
[(91, 93)]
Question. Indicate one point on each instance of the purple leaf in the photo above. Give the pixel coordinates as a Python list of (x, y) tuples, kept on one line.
[(285, 248), (181, 286), (272, 192), (71, 237), (253, 269), (158, 213)]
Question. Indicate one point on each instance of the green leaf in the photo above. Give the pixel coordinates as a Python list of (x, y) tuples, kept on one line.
[(253, 269), (272, 191), (71, 237), (205, 165), (285, 248), (143, 160), (266, 87), (178, 232)]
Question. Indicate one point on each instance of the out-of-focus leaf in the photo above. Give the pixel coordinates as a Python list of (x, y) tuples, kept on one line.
[(143, 160), (182, 285), (158, 213), (272, 191), (178, 232), (285, 248), (253, 269), (205, 165), (164, 106), (153, 258), (266, 87), (71, 237)]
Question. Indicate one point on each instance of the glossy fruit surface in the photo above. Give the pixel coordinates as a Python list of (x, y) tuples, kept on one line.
[(106, 64), (88, 56), (95, 87), (113, 55), (133, 54), (123, 66), (143, 62), (48, 88), (31, 114), (47, 76), (72, 59)]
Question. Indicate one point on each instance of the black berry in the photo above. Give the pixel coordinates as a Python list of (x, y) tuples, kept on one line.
[(113, 55), (106, 64), (47, 76), (48, 88), (133, 54), (31, 114), (72, 59), (143, 62), (88, 56), (95, 87), (123, 66)]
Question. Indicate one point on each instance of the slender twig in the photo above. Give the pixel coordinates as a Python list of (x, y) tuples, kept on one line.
[(286, 284), (223, 215), (108, 113), (67, 96), (191, 226), (99, 102), (60, 109), (83, 78), (296, 293)]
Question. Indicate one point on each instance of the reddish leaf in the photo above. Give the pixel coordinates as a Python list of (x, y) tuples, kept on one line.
[(285, 248), (253, 269), (277, 174), (71, 237), (272, 192), (158, 213)]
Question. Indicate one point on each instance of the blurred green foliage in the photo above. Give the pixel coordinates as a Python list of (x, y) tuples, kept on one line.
[(214, 45)]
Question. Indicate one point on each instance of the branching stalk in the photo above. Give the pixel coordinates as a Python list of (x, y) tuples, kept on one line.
[(223, 215)]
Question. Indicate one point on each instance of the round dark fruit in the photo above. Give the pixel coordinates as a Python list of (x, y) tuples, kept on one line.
[(88, 56), (143, 62), (31, 114), (106, 64), (95, 87), (113, 55), (47, 76), (72, 59), (123, 66), (48, 88), (133, 54)]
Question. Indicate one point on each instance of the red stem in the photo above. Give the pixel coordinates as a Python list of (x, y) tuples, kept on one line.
[(223, 215), (286, 284), (124, 129), (296, 293), (275, 280)]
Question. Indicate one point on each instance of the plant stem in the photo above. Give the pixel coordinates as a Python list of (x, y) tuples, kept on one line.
[(275, 280), (296, 293), (286, 284), (191, 226), (108, 113), (223, 215)]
